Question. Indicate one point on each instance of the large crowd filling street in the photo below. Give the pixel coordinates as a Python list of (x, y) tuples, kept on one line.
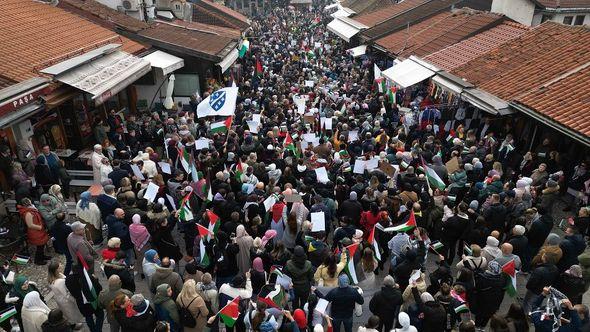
[(278, 212)]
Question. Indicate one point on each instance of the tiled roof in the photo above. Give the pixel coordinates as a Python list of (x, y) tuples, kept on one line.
[(526, 62), (415, 11), (565, 100), (381, 14), (36, 35), (102, 15), (438, 32), (467, 50), (564, 3), (228, 32), (6, 82), (365, 6), (210, 45), (209, 12)]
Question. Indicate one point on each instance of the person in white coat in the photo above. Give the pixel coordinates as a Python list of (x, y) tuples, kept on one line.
[(34, 312), (96, 162), (65, 301)]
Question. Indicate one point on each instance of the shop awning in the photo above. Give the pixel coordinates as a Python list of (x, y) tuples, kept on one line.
[(447, 84), (343, 12), (486, 101), (229, 60), (102, 75), (357, 51), (334, 5), (167, 62), (20, 114), (345, 28), (408, 73)]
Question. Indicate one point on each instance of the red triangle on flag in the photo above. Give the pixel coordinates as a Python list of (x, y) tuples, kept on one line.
[(213, 218), (228, 122), (412, 220), (203, 231), (352, 249), (509, 268), (371, 237)]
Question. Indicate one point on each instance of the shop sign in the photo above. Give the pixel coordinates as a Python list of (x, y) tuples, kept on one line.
[(21, 100)]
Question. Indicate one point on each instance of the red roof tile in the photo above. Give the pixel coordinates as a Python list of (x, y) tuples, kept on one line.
[(566, 100), (36, 35), (102, 15), (437, 32), (6, 82), (381, 14), (366, 6), (564, 3), (524, 63), (209, 12), (462, 52)]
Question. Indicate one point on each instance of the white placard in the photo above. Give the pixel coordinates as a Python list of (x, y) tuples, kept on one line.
[(253, 126), (322, 306), (257, 118), (372, 164), (328, 124), (269, 202), (318, 221), (137, 172), (353, 135), (322, 175), (309, 84), (309, 137), (151, 191), (171, 201), (165, 167), (201, 143), (359, 167), (415, 276), (285, 281)]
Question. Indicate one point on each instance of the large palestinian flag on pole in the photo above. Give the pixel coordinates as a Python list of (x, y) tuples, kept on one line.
[(373, 242), (230, 313), (91, 298), (509, 269), (349, 268)]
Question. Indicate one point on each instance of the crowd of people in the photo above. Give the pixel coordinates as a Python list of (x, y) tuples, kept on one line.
[(434, 225)]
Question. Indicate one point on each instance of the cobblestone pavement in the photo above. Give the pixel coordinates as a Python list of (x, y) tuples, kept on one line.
[(39, 275)]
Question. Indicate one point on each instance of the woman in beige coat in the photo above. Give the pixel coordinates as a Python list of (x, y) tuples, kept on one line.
[(327, 274), (34, 312), (190, 299)]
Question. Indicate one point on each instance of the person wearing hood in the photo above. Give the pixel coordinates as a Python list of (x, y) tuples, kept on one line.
[(572, 246), (385, 303), (519, 243), (351, 208), (584, 260), (240, 286), (165, 275), (107, 295), (490, 287), (151, 260), (439, 168), (165, 307), (244, 242), (88, 213), (225, 256), (134, 314), (301, 271), (343, 300), (434, 314), (571, 284), (34, 312), (491, 250), (21, 286)]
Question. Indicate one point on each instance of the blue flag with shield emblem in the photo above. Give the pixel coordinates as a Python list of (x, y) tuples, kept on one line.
[(221, 102)]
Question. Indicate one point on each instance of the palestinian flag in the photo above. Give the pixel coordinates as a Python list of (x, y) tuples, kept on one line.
[(349, 268), (93, 300), (230, 313), (373, 242), (411, 223), (289, 144), (436, 246), (184, 159), (203, 233), (244, 48), (391, 95), (239, 171), (510, 270), (273, 296), (258, 71), (194, 173), (309, 54), (221, 126), (381, 83), (213, 222), (186, 213), (20, 259), (276, 269), (315, 22), (433, 178), (6, 314), (462, 308)]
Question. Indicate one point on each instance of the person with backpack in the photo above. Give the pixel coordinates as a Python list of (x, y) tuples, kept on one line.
[(166, 309), (489, 293), (192, 310), (207, 290)]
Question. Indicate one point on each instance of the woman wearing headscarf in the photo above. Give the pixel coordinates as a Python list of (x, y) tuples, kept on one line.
[(207, 290), (139, 237), (257, 275), (20, 288), (151, 260), (490, 287), (244, 242), (88, 213), (190, 299), (65, 301), (34, 312), (22, 182), (166, 309), (301, 271)]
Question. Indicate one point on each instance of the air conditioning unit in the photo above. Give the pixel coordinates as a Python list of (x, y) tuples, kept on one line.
[(131, 5)]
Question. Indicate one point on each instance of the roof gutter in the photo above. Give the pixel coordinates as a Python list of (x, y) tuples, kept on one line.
[(552, 123)]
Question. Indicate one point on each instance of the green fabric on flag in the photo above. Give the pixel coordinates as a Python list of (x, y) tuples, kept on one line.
[(7, 314), (244, 48)]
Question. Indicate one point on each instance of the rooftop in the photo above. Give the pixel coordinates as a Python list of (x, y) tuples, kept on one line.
[(455, 55), (438, 32), (532, 68), (563, 3), (365, 6), (209, 12), (102, 15), (36, 35)]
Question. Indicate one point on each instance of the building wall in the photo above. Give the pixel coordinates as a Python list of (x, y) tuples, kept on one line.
[(559, 17), (521, 11)]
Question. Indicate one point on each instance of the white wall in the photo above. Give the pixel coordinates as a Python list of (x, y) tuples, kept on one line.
[(558, 18), (521, 11), (111, 3)]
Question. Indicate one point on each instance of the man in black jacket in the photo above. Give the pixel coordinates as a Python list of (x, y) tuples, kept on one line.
[(343, 300), (59, 232), (495, 215), (543, 275), (539, 230), (385, 304), (433, 313), (351, 208)]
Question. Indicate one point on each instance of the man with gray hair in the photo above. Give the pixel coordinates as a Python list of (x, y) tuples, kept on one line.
[(386, 303), (77, 243)]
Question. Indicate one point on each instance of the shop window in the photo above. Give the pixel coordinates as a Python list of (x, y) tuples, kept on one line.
[(568, 20), (579, 19), (186, 85)]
